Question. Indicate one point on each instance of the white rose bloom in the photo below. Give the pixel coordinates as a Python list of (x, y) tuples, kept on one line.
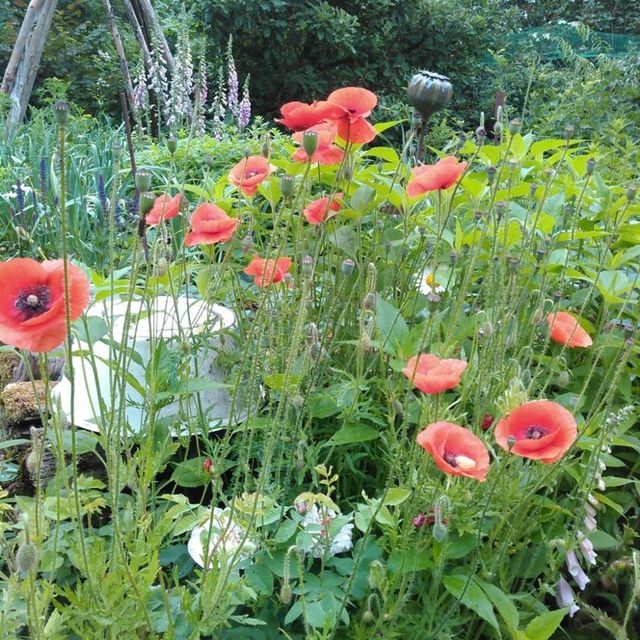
[(341, 541), (225, 539), (427, 283)]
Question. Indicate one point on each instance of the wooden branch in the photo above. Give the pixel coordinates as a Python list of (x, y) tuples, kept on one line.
[(140, 37), (34, 8), (27, 68), (122, 58)]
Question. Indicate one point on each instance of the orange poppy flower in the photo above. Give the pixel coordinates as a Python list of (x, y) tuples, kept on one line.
[(318, 210), (300, 115), (455, 450), (326, 153), (210, 224), (32, 302), (540, 430), (355, 104), (164, 208), (433, 177), (249, 173), (269, 271), (564, 329), (430, 374)]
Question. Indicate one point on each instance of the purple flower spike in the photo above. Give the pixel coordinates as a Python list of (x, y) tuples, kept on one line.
[(586, 547), (576, 570)]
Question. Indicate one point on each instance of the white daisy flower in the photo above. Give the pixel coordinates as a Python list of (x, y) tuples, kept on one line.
[(341, 542), (428, 283), (225, 538)]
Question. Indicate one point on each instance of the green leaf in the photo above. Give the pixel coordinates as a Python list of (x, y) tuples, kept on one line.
[(543, 626), (278, 381), (474, 597), (346, 239), (259, 578), (95, 329), (503, 604), (392, 327), (383, 126), (396, 496), (191, 473), (7, 444), (285, 531), (352, 434)]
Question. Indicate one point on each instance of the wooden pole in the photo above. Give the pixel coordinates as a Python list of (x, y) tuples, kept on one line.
[(122, 58), (21, 72), (153, 26)]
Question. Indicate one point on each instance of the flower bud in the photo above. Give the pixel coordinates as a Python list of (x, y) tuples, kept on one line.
[(486, 329), (307, 265), (348, 265), (487, 421), (369, 301), (27, 556), (310, 143), (440, 531), (287, 186), (247, 152), (61, 112), (297, 401), (143, 180), (266, 146), (377, 575), (537, 317), (514, 126), (285, 593), (247, 243), (368, 617), (419, 520), (429, 93), (207, 465), (563, 379), (172, 144), (146, 202), (511, 442)]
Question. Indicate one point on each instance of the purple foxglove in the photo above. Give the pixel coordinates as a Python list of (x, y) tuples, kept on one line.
[(586, 547), (590, 523), (576, 571), (566, 598)]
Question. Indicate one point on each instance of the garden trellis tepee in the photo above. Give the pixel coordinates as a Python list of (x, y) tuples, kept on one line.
[(22, 68)]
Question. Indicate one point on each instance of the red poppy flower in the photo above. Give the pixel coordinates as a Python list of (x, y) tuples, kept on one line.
[(164, 208), (326, 153), (433, 177), (564, 329), (455, 450), (210, 224), (540, 430), (300, 115), (269, 271), (249, 173), (318, 210), (355, 104), (32, 302), (430, 374)]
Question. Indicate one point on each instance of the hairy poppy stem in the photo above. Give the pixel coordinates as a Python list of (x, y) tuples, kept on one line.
[(423, 131)]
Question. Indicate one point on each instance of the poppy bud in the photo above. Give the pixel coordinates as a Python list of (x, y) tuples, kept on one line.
[(143, 180), (569, 130), (481, 134), (348, 266), (310, 143), (315, 350), (514, 126), (207, 465), (172, 144), (365, 343), (491, 174), (369, 301), (161, 266), (487, 421), (377, 575), (368, 617), (429, 93), (297, 401), (440, 531), (486, 329), (27, 557), (246, 244), (537, 317), (185, 346), (563, 379), (266, 146), (285, 593), (398, 408), (146, 202), (61, 112), (632, 189), (591, 165), (307, 265), (287, 186)]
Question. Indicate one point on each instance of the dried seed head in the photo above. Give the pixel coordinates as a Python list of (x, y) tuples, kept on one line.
[(348, 266)]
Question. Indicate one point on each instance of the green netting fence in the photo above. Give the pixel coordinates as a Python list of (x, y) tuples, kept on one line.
[(556, 42)]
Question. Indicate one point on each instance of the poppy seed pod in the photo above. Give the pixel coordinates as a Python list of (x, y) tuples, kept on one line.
[(310, 143), (147, 200), (287, 186), (429, 93), (172, 144), (143, 180), (61, 112)]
